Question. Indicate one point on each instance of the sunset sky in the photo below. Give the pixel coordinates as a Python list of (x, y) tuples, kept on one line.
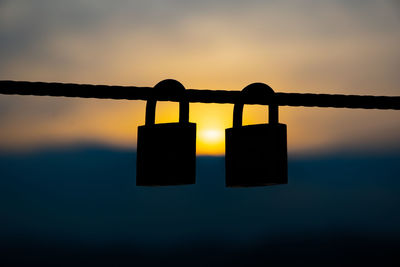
[(343, 47)]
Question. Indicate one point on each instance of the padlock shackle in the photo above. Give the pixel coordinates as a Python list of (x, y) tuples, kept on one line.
[(255, 89), (167, 87)]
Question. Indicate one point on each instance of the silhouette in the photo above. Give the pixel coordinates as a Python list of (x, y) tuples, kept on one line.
[(197, 95), (256, 155), (166, 153)]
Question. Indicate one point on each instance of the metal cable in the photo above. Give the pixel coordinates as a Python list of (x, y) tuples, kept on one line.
[(196, 95)]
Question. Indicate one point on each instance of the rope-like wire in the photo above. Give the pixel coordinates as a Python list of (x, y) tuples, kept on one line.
[(195, 95)]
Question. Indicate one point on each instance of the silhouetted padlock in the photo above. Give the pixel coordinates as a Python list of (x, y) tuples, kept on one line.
[(256, 155), (166, 152)]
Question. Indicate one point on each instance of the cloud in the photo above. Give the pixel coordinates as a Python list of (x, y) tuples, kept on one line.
[(76, 40)]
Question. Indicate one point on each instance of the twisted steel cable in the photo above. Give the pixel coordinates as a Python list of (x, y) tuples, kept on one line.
[(199, 96)]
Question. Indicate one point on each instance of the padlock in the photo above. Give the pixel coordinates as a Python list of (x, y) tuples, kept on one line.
[(166, 152), (256, 155)]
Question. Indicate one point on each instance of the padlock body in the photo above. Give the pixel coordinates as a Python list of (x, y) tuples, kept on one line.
[(166, 154), (256, 155)]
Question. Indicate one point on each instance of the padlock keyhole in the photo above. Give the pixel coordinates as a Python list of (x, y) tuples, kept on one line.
[(255, 114), (167, 112)]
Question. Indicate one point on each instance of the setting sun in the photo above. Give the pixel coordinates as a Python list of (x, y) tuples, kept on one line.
[(211, 136), (212, 120), (210, 141)]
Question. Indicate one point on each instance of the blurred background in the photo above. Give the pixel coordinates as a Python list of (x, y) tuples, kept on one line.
[(67, 166)]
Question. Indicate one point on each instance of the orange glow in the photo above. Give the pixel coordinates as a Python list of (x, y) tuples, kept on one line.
[(212, 120), (108, 122)]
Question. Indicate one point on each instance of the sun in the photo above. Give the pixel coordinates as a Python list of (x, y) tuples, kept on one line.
[(210, 141), (212, 120), (211, 135)]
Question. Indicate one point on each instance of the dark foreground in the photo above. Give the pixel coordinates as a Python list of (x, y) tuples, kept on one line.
[(80, 207)]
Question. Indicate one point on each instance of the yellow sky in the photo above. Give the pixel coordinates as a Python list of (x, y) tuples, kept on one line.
[(294, 46)]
